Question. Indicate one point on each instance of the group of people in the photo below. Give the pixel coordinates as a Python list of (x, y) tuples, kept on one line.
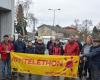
[(72, 48), (88, 52), (89, 65), (8, 45), (55, 47)]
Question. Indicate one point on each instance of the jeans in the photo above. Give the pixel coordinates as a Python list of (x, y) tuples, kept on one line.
[(95, 72), (6, 65)]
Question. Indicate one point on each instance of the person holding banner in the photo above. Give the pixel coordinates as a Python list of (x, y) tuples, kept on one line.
[(79, 43), (30, 49), (19, 45), (71, 49), (40, 46), (5, 48), (57, 49), (39, 49)]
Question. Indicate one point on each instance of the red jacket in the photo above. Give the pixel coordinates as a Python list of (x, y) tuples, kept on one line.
[(72, 49), (5, 47), (57, 50)]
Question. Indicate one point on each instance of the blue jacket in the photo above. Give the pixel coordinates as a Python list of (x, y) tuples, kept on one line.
[(94, 56), (19, 46), (30, 50)]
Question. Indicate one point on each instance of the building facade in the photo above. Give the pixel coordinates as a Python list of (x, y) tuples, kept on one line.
[(6, 17), (47, 30), (70, 30)]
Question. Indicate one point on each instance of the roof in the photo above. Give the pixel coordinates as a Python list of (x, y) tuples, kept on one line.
[(4, 10), (70, 28), (56, 28)]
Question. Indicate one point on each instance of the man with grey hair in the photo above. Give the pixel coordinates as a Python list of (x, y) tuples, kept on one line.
[(71, 49), (79, 43)]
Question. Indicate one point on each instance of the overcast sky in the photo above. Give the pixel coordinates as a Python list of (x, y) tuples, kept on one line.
[(70, 10)]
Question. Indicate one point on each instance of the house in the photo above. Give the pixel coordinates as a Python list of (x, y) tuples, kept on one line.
[(48, 30), (6, 17), (70, 30)]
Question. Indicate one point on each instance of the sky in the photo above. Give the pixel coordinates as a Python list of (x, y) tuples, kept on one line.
[(70, 10)]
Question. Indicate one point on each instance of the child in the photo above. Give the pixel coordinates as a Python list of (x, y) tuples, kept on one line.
[(30, 49)]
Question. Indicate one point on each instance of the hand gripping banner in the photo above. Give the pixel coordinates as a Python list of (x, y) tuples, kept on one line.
[(66, 66)]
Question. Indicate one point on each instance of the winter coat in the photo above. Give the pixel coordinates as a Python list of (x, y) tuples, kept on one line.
[(30, 50), (6, 47), (94, 58), (50, 49), (72, 49), (49, 44), (57, 50), (39, 48), (94, 55), (19, 46), (80, 45)]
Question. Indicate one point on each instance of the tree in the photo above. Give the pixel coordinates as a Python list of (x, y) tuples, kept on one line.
[(85, 27), (21, 21), (95, 32), (98, 26), (32, 20), (76, 21), (26, 6)]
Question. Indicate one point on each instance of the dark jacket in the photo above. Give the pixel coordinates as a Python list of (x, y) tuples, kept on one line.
[(80, 45), (94, 58), (49, 44), (19, 46), (94, 55), (30, 50), (40, 48), (50, 48)]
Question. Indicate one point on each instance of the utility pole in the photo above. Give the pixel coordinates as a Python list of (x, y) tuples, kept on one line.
[(54, 15)]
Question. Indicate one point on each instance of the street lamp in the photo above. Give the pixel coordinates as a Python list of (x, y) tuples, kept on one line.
[(54, 11)]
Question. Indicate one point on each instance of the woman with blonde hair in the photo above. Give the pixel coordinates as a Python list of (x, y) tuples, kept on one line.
[(84, 64)]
